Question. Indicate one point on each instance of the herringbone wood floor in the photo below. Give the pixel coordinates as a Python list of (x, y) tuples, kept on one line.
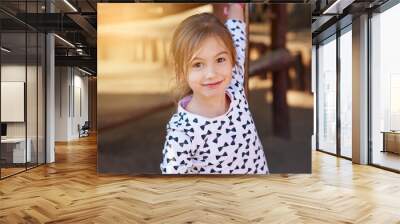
[(70, 191)]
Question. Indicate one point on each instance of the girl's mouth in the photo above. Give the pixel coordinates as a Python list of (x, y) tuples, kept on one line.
[(213, 84)]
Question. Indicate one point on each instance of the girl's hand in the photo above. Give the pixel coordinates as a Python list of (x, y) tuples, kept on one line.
[(235, 11)]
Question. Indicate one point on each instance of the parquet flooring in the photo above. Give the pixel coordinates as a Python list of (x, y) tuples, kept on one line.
[(10, 171), (70, 191)]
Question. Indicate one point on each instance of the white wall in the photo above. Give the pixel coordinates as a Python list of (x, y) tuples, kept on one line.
[(12, 101), (33, 126), (70, 83), (81, 94), (62, 80), (12, 73)]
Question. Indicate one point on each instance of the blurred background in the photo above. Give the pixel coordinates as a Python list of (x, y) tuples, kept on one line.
[(135, 82)]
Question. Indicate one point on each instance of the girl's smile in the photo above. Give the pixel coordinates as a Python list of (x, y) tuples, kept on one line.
[(213, 85)]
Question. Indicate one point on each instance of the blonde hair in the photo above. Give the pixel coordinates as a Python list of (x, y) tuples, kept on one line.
[(187, 38)]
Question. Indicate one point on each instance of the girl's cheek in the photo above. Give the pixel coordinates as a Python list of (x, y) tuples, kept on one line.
[(194, 78), (227, 70)]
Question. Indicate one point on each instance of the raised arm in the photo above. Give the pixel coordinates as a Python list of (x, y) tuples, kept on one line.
[(235, 11), (237, 27)]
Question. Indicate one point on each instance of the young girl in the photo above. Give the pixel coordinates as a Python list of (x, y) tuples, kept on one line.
[(213, 131)]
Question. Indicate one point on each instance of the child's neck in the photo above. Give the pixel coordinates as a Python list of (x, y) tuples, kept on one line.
[(208, 106)]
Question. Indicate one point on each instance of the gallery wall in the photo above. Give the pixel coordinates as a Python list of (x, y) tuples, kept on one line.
[(71, 102)]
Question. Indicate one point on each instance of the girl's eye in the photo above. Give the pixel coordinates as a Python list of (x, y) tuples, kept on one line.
[(220, 60), (197, 65)]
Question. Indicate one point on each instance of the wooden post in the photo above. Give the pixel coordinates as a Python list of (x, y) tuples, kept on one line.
[(154, 51), (280, 78), (165, 52), (144, 43), (300, 70), (134, 47), (218, 10)]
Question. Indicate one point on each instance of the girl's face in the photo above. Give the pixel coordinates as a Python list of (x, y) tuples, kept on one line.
[(210, 70)]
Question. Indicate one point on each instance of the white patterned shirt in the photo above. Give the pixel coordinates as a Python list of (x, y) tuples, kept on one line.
[(226, 144)]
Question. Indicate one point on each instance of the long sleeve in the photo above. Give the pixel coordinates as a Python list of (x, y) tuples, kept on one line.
[(237, 28), (177, 153)]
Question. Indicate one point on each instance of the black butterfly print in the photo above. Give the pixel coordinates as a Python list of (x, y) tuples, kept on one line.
[(173, 159), (180, 153), (175, 139), (183, 143), (230, 130), (202, 152)]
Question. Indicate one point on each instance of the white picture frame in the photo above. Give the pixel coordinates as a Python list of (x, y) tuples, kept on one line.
[(12, 101)]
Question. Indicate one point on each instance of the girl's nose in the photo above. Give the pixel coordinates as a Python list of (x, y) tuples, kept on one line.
[(210, 72)]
